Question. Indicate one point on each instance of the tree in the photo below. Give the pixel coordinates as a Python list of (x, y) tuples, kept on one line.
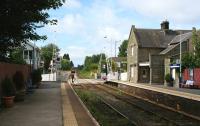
[(47, 54), (188, 61), (80, 67), (192, 60), (66, 56), (123, 49), (16, 56), (114, 66), (196, 44), (19, 21), (91, 62), (65, 64), (87, 62), (71, 64), (94, 59)]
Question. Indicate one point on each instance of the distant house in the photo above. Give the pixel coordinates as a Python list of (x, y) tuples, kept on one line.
[(145, 64), (55, 63), (120, 62), (118, 71), (31, 54)]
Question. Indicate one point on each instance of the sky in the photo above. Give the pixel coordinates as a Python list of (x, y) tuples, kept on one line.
[(87, 27)]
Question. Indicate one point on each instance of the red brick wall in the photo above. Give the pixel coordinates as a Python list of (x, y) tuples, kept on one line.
[(9, 70), (186, 75), (197, 75)]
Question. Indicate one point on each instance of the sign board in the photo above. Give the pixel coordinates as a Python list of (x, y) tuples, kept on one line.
[(174, 65)]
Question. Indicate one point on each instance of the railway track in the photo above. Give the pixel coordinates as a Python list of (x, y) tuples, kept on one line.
[(139, 112), (130, 101), (131, 123)]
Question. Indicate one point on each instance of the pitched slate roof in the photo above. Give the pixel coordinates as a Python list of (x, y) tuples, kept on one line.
[(155, 38), (182, 37), (176, 41), (169, 48)]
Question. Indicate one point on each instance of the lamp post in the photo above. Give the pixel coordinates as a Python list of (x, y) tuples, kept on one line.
[(34, 56), (180, 57)]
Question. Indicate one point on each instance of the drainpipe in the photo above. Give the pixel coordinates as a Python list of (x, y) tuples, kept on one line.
[(180, 58), (150, 74)]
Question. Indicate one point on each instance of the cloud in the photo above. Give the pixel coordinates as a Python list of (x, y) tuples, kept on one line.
[(84, 25), (109, 32), (73, 4), (77, 53), (70, 24), (179, 11), (92, 24)]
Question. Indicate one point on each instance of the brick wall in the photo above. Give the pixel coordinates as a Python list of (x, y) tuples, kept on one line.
[(9, 70), (186, 75), (196, 75)]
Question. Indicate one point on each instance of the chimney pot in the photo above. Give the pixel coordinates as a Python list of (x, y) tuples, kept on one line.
[(165, 25)]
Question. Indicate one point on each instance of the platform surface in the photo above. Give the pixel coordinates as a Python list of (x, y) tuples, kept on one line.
[(74, 111), (193, 94), (41, 108)]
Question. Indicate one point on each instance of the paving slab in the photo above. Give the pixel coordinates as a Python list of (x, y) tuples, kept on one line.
[(42, 108), (78, 113)]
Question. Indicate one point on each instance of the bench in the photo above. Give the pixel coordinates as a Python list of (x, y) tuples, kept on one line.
[(189, 84)]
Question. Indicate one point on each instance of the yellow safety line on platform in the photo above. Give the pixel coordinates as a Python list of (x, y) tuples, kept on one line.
[(69, 118)]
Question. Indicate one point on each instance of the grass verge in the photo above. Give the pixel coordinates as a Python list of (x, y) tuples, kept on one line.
[(100, 111)]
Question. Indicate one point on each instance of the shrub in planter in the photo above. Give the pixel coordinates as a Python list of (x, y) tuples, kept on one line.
[(169, 79), (36, 77), (8, 91), (19, 82)]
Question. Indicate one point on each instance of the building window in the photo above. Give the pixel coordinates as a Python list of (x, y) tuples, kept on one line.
[(132, 71), (30, 54), (25, 54), (132, 50), (144, 73)]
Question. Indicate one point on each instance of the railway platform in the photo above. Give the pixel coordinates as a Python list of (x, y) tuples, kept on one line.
[(185, 101), (40, 108), (193, 94), (74, 111)]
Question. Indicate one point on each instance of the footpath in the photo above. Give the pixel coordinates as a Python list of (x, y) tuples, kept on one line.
[(42, 108), (53, 104)]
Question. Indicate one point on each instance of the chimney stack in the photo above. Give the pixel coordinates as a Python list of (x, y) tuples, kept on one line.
[(165, 25)]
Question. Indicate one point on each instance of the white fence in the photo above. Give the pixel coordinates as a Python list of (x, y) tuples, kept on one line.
[(123, 76), (115, 76), (49, 77)]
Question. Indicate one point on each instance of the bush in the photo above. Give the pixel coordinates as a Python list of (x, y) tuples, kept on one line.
[(84, 74), (8, 87), (168, 78), (36, 76), (18, 80)]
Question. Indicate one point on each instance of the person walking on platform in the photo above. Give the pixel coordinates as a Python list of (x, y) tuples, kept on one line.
[(72, 75)]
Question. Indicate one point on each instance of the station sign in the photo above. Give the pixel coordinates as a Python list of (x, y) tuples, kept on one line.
[(174, 65)]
